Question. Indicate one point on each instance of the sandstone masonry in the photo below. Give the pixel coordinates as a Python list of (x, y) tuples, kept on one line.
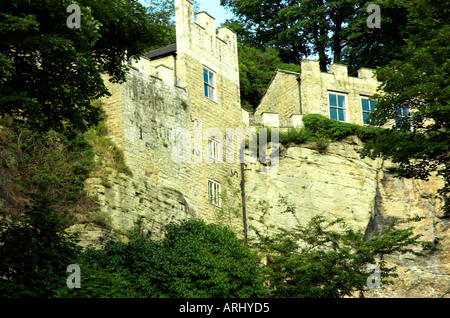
[(192, 86), (291, 95)]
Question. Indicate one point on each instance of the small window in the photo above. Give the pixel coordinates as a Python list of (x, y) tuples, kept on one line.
[(368, 106), (214, 192), (337, 107), (209, 83), (213, 149), (401, 113)]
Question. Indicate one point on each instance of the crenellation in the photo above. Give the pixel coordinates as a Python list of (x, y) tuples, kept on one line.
[(165, 122), (309, 93)]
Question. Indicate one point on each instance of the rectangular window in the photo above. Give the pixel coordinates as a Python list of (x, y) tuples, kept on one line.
[(337, 103), (368, 106), (209, 83), (214, 192), (213, 149)]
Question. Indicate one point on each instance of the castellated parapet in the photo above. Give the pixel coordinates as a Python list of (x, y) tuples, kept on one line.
[(190, 86), (292, 95)]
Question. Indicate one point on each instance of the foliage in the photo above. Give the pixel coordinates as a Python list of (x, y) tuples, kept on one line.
[(377, 46), (104, 147), (194, 259), (256, 69), (50, 75), (296, 135), (162, 13), (419, 81), (333, 30), (47, 164), (328, 259), (35, 251), (97, 282), (335, 130)]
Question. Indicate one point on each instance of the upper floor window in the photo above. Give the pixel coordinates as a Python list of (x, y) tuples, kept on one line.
[(368, 106), (214, 192), (209, 83), (213, 149), (337, 105)]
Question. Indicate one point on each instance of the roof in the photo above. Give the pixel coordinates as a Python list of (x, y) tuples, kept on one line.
[(164, 51)]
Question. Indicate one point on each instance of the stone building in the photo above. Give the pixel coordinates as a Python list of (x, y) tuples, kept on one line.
[(172, 117), (335, 95), (179, 108)]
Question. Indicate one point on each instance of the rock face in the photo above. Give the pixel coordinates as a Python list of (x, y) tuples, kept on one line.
[(338, 183)]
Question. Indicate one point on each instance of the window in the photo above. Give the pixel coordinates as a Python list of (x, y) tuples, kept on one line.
[(367, 107), (336, 103), (214, 192), (401, 113), (213, 149), (209, 83)]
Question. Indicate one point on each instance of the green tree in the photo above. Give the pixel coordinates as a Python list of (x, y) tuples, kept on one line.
[(50, 72), (256, 69), (327, 259), (419, 140), (193, 260), (35, 251), (334, 30)]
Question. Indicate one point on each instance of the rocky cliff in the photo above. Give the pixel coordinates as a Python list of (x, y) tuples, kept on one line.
[(334, 183), (366, 193)]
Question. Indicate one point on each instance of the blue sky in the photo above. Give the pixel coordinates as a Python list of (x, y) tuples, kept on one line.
[(214, 8)]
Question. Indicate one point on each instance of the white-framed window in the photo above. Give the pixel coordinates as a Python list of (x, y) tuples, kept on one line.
[(337, 104), (214, 149), (214, 192), (209, 83), (367, 106)]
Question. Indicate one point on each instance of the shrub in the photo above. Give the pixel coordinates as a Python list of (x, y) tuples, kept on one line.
[(327, 259), (46, 163), (194, 259), (295, 135), (35, 251), (335, 130)]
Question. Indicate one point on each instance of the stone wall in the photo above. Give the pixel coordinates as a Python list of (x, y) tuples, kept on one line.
[(282, 96), (151, 115)]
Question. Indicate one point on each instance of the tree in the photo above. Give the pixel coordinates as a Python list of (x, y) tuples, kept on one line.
[(50, 72), (419, 140), (194, 259), (327, 259), (334, 30), (35, 252), (256, 69)]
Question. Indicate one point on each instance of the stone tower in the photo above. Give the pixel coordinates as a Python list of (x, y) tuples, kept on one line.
[(183, 95)]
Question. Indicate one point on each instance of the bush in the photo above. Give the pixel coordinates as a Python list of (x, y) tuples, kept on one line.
[(295, 135), (35, 251), (46, 163), (335, 130), (193, 260), (327, 259)]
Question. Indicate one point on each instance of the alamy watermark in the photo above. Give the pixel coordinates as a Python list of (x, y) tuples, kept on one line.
[(74, 279), (234, 138), (374, 20), (374, 279), (73, 20)]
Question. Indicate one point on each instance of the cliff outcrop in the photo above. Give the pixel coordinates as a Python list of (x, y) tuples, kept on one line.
[(334, 183)]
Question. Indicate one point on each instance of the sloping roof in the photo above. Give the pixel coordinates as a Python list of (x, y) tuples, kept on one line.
[(164, 51)]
